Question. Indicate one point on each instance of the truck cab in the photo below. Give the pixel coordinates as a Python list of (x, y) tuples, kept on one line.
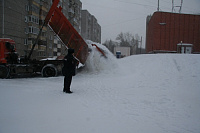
[(7, 51), (11, 66)]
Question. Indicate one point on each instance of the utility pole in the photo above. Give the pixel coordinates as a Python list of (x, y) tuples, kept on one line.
[(158, 9), (137, 49), (180, 7), (3, 19), (141, 45)]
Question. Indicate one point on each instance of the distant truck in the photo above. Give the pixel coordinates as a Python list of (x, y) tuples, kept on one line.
[(122, 51), (118, 54)]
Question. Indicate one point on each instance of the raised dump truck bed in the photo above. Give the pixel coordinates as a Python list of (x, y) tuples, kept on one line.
[(66, 32)]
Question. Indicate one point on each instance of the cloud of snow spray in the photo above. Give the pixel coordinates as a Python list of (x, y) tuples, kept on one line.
[(96, 62)]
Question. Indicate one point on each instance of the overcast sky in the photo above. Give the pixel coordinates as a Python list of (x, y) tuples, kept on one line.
[(117, 16)]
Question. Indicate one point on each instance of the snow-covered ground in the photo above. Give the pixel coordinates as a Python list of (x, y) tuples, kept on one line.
[(137, 94)]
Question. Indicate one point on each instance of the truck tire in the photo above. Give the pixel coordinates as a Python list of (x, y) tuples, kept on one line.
[(49, 70), (4, 72)]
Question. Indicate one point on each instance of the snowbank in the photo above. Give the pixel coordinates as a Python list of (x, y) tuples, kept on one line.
[(143, 94)]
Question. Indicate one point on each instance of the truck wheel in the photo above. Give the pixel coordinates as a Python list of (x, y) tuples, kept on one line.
[(49, 70), (4, 72)]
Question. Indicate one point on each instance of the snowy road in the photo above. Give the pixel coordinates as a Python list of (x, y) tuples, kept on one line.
[(144, 93)]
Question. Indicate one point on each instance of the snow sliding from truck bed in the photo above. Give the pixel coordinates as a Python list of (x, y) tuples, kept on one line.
[(96, 62)]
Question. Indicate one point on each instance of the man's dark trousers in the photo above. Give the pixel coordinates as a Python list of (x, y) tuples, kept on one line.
[(67, 82)]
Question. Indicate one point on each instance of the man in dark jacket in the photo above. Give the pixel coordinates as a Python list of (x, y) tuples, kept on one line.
[(69, 70)]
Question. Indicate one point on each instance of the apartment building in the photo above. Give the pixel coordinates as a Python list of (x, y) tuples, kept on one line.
[(91, 30), (21, 21), (72, 11)]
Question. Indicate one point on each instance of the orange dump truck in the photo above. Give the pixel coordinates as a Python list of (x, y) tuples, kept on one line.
[(11, 65)]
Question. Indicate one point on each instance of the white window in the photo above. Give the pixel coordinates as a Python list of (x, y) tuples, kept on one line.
[(33, 19), (30, 42), (25, 41), (37, 20), (44, 33), (27, 7), (30, 18), (50, 37), (64, 7), (26, 30), (50, 45), (30, 29), (33, 30), (26, 19)]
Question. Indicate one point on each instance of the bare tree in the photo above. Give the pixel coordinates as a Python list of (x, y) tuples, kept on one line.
[(125, 40), (110, 45)]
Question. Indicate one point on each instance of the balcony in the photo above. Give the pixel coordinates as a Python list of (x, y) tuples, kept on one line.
[(42, 43), (42, 17), (41, 48), (71, 10), (31, 35), (58, 54), (43, 8), (55, 49), (59, 45), (31, 45), (42, 39), (76, 21)]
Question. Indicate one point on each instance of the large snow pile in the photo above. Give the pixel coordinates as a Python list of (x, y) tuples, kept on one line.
[(139, 94), (96, 62)]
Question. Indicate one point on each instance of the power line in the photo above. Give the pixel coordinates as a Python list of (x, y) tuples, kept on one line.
[(120, 10), (166, 2), (144, 5), (123, 22), (150, 2), (108, 8)]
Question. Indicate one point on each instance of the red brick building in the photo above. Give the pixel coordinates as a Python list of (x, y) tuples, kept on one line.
[(165, 30)]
